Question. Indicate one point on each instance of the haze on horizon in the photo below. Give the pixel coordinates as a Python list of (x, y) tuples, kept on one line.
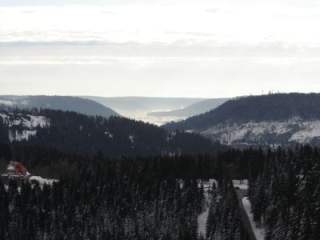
[(177, 48)]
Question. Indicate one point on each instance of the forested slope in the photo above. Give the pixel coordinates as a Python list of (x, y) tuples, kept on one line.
[(276, 119), (73, 132)]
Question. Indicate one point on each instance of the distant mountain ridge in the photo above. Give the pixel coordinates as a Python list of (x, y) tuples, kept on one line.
[(193, 109), (64, 103), (267, 120)]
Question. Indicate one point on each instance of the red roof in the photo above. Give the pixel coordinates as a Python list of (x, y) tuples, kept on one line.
[(17, 168)]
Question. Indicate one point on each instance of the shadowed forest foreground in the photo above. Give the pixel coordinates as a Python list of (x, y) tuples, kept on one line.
[(158, 197)]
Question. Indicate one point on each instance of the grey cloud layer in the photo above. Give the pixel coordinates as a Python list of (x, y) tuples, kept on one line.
[(220, 49)]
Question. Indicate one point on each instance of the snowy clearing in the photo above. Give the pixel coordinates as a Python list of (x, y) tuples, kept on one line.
[(241, 184)]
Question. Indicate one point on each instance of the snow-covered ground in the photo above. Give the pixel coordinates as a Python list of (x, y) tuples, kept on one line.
[(42, 181), (203, 217), (298, 130), (131, 138), (259, 232), (36, 179), (28, 123), (109, 134), (309, 131), (241, 184)]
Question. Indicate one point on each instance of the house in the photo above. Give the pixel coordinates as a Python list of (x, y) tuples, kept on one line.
[(15, 171)]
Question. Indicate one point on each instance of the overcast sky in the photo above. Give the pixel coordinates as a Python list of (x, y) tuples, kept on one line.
[(190, 48)]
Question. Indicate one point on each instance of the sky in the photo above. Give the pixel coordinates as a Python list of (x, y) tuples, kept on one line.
[(166, 48)]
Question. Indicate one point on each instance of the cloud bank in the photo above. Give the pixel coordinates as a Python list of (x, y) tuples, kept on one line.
[(194, 48)]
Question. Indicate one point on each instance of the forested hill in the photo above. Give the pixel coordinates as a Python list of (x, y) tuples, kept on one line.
[(64, 103), (73, 132), (267, 119), (193, 109), (273, 107)]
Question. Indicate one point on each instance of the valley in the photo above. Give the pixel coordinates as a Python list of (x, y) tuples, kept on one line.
[(119, 178), (159, 120)]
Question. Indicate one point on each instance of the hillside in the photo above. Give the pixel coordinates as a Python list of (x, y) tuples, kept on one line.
[(268, 119), (75, 104), (193, 109), (73, 132)]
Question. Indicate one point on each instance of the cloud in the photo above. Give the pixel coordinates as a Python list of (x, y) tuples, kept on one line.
[(161, 77), (212, 10), (178, 47), (251, 24), (30, 11), (205, 50)]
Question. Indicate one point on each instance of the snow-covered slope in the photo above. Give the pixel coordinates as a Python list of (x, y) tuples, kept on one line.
[(78, 133), (294, 130), (276, 119), (22, 126)]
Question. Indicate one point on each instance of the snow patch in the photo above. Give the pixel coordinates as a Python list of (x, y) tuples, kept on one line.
[(38, 121), (131, 138), (15, 135), (309, 130), (23, 127), (42, 181), (27, 121), (189, 131), (241, 184), (108, 134)]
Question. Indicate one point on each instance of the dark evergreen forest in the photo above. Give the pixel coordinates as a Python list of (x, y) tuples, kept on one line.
[(103, 198), (114, 136), (286, 194), (99, 197)]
